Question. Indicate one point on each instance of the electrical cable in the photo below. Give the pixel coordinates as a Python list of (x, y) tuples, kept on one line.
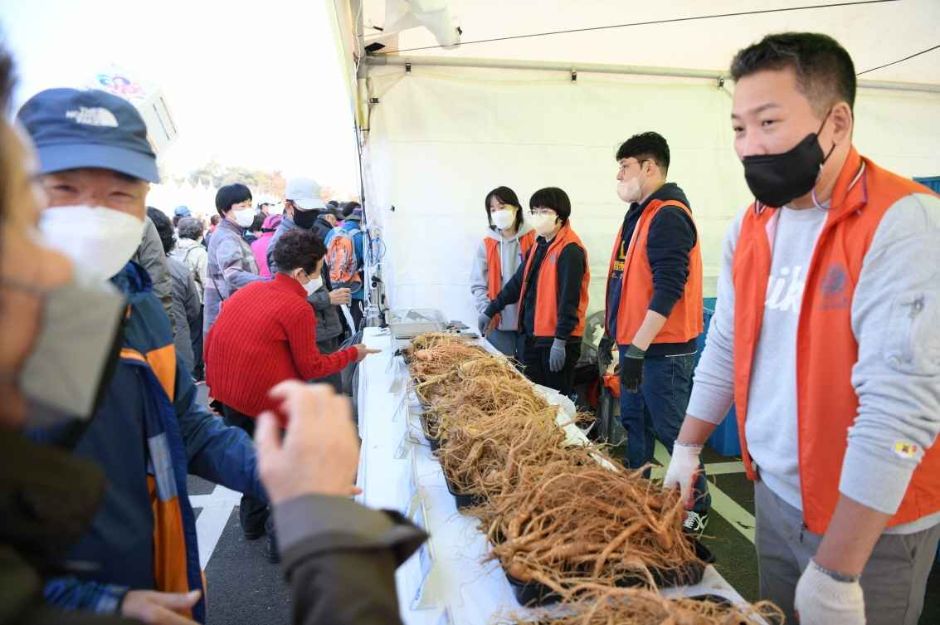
[(907, 58), (672, 20)]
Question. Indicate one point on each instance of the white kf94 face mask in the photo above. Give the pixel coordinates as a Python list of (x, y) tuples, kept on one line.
[(503, 219), (98, 240)]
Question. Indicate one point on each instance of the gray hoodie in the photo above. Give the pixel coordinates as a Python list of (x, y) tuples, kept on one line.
[(510, 255)]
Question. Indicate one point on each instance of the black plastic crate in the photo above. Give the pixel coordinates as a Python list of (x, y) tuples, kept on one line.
[(534, 594), (463, 501)]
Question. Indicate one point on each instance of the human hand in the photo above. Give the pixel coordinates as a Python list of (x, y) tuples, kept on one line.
[(483, 324), (362, 351), (823, 600), (682, 469), (340, 296), (319, 453), (631, 368), (160, 608), (605, 354), (557, 356)]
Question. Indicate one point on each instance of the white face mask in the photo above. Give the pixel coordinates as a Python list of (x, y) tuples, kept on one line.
[(629, 190), (313, 286), (503, 219), (276, 209), (244, 217), (543, 224), (99, 240)]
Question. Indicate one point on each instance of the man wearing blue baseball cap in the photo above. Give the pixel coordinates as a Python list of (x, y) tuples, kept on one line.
[(148, 430)]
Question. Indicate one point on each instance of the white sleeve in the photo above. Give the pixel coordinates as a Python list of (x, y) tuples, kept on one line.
[(713, 382)]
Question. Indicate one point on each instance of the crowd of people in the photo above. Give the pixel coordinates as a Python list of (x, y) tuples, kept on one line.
[(108, 306), (113, 313)]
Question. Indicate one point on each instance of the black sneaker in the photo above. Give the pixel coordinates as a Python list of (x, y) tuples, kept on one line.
[(254, 534), (695, 523)]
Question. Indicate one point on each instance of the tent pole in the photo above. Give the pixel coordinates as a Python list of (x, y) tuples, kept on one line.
[(600, 68)]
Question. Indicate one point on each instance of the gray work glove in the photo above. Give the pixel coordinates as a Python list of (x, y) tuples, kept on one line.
[(556, 357), (483, 323), (605, 354)]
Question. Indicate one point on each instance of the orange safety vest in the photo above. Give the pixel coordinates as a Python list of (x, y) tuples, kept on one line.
[(546, 299), (826, 348), (170, 557), (685, 321), (494, 269)]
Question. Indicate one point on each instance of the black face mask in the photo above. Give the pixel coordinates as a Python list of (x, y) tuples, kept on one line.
[(304, 219), (778, 179)]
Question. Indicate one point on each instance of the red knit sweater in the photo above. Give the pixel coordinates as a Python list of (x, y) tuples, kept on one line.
[(265, 333)]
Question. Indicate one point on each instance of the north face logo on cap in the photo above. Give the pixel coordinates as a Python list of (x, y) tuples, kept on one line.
[(96, 116)]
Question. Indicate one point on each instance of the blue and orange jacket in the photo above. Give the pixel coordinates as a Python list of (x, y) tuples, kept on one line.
[(147, 434)]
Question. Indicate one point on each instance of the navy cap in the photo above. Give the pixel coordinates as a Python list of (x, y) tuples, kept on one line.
[(72, 129)]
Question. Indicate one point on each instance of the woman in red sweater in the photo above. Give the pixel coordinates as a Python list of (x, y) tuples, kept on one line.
[(266, 333)]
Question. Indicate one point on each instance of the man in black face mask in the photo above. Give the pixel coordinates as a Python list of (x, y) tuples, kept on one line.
[(825, 337), (302, 207)]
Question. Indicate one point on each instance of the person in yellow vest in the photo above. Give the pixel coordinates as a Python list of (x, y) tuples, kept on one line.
[(825, 337), (654, 307), (499, 257), (551, 290)]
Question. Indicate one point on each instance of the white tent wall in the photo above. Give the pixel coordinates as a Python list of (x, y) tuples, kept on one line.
[(440, 138)]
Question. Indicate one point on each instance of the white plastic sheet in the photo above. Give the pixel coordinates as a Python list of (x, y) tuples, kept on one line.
[(440, 138)]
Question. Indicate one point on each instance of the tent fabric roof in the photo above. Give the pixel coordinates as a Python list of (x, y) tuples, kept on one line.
[(874, 33)]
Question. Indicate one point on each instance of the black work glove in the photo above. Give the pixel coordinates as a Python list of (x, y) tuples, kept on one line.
[(605, 354), (631, 368)]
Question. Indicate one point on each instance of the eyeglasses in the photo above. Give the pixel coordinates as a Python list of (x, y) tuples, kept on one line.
[(542, 211), (625, 166)]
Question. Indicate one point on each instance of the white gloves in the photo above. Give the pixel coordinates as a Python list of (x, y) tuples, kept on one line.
[(682, 469), (822, 600)]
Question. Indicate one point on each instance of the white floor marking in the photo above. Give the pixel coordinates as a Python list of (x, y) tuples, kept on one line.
[(216, 508)]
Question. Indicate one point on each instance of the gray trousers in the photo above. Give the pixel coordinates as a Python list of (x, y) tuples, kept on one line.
[(334, 379), (506, 341), (894, 580)]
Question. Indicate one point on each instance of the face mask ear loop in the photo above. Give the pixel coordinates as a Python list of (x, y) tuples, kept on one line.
[(825, 158)]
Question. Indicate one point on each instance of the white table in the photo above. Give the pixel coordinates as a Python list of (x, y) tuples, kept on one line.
[(448, 581)]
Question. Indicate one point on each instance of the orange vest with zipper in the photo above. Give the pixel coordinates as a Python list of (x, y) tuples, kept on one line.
[(494, 265), (826, 349), (546, 299), (684, 322)]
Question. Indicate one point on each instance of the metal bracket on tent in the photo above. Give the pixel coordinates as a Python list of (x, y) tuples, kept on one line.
[(407, 68), (373, 100), (574, 75), (721, 82)]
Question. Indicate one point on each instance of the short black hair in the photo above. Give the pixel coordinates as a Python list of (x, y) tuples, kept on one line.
[(553, 198), (349, 207), (190, 228), (332, 204), (164, 228), (258, 222), (506, 196), (230, 195), (646, 146), (824, 70), (298, 248)]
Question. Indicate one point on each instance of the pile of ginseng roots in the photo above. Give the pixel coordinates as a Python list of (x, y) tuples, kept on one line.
[(565, 516)]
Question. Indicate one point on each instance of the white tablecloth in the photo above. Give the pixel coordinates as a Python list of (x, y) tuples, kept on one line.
[(449, 580)]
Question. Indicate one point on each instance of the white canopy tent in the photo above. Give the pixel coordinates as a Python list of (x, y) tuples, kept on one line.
[(441, 127)]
